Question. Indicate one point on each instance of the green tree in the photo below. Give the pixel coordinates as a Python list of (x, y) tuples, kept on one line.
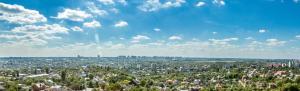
[(47, 69), (90, 84), (63, 75), (16, 73), (35, 71), (91, 76), (115, 87), (136, 89), (290, 87), (298, 80), (11, 86)]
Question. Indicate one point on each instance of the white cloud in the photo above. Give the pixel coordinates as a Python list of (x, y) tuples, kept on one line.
[(264, 45), (117, 46), (139, 38), (274, 42), (249, 38), (48, 37), (262, 30), (195, 39), (176, 3), (29, 36), (96, 10), (76, 28), (47, 29), (73, 15), (150, 5), (175, 38), (222, 42), (154, 5), (93, 24), (33, 41), (19, 15), (156, 29), (107, 2), (214, 33), (219, 2), (124, 2), (297, 36), (122, 38), (200, 4), (113, 2), (10, 36), (254, 44), (32, 35), (114, 10), (156, 43), (121, 24)]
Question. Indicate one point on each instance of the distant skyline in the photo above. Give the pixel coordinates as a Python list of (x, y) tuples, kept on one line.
[(187, 28)]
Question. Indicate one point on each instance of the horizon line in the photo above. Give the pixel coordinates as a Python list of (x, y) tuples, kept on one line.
[(144, 56)]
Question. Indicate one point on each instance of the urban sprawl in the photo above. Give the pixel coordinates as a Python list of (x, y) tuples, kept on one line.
[(141, 73)]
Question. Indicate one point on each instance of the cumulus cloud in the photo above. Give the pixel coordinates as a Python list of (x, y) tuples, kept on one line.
[(124, 2), (31, 35), (262, 30), (19, 15), (107, 2), (113, 2), (32, 41), (73, 15), (117, 46), (156, 29), (249, 38), (223, 42), (139, 38), (175, 37), (10, 36), (122, 38), (47, 29), (35, 36), (114, 10), (297, 36), (214, 33), (158, 43), (254, 44), (154, 5), (274, 42), (92, 24), (121, 24), (267, 43), (200, 4), (76, 28), (96, 10), (219, 2)]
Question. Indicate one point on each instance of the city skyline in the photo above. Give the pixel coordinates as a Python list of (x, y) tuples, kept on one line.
[(188, 28)]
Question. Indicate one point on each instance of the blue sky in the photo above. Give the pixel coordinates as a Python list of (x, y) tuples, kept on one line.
[(192, 28)]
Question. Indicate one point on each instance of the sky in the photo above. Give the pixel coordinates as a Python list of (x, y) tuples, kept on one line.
[(187, 28)]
